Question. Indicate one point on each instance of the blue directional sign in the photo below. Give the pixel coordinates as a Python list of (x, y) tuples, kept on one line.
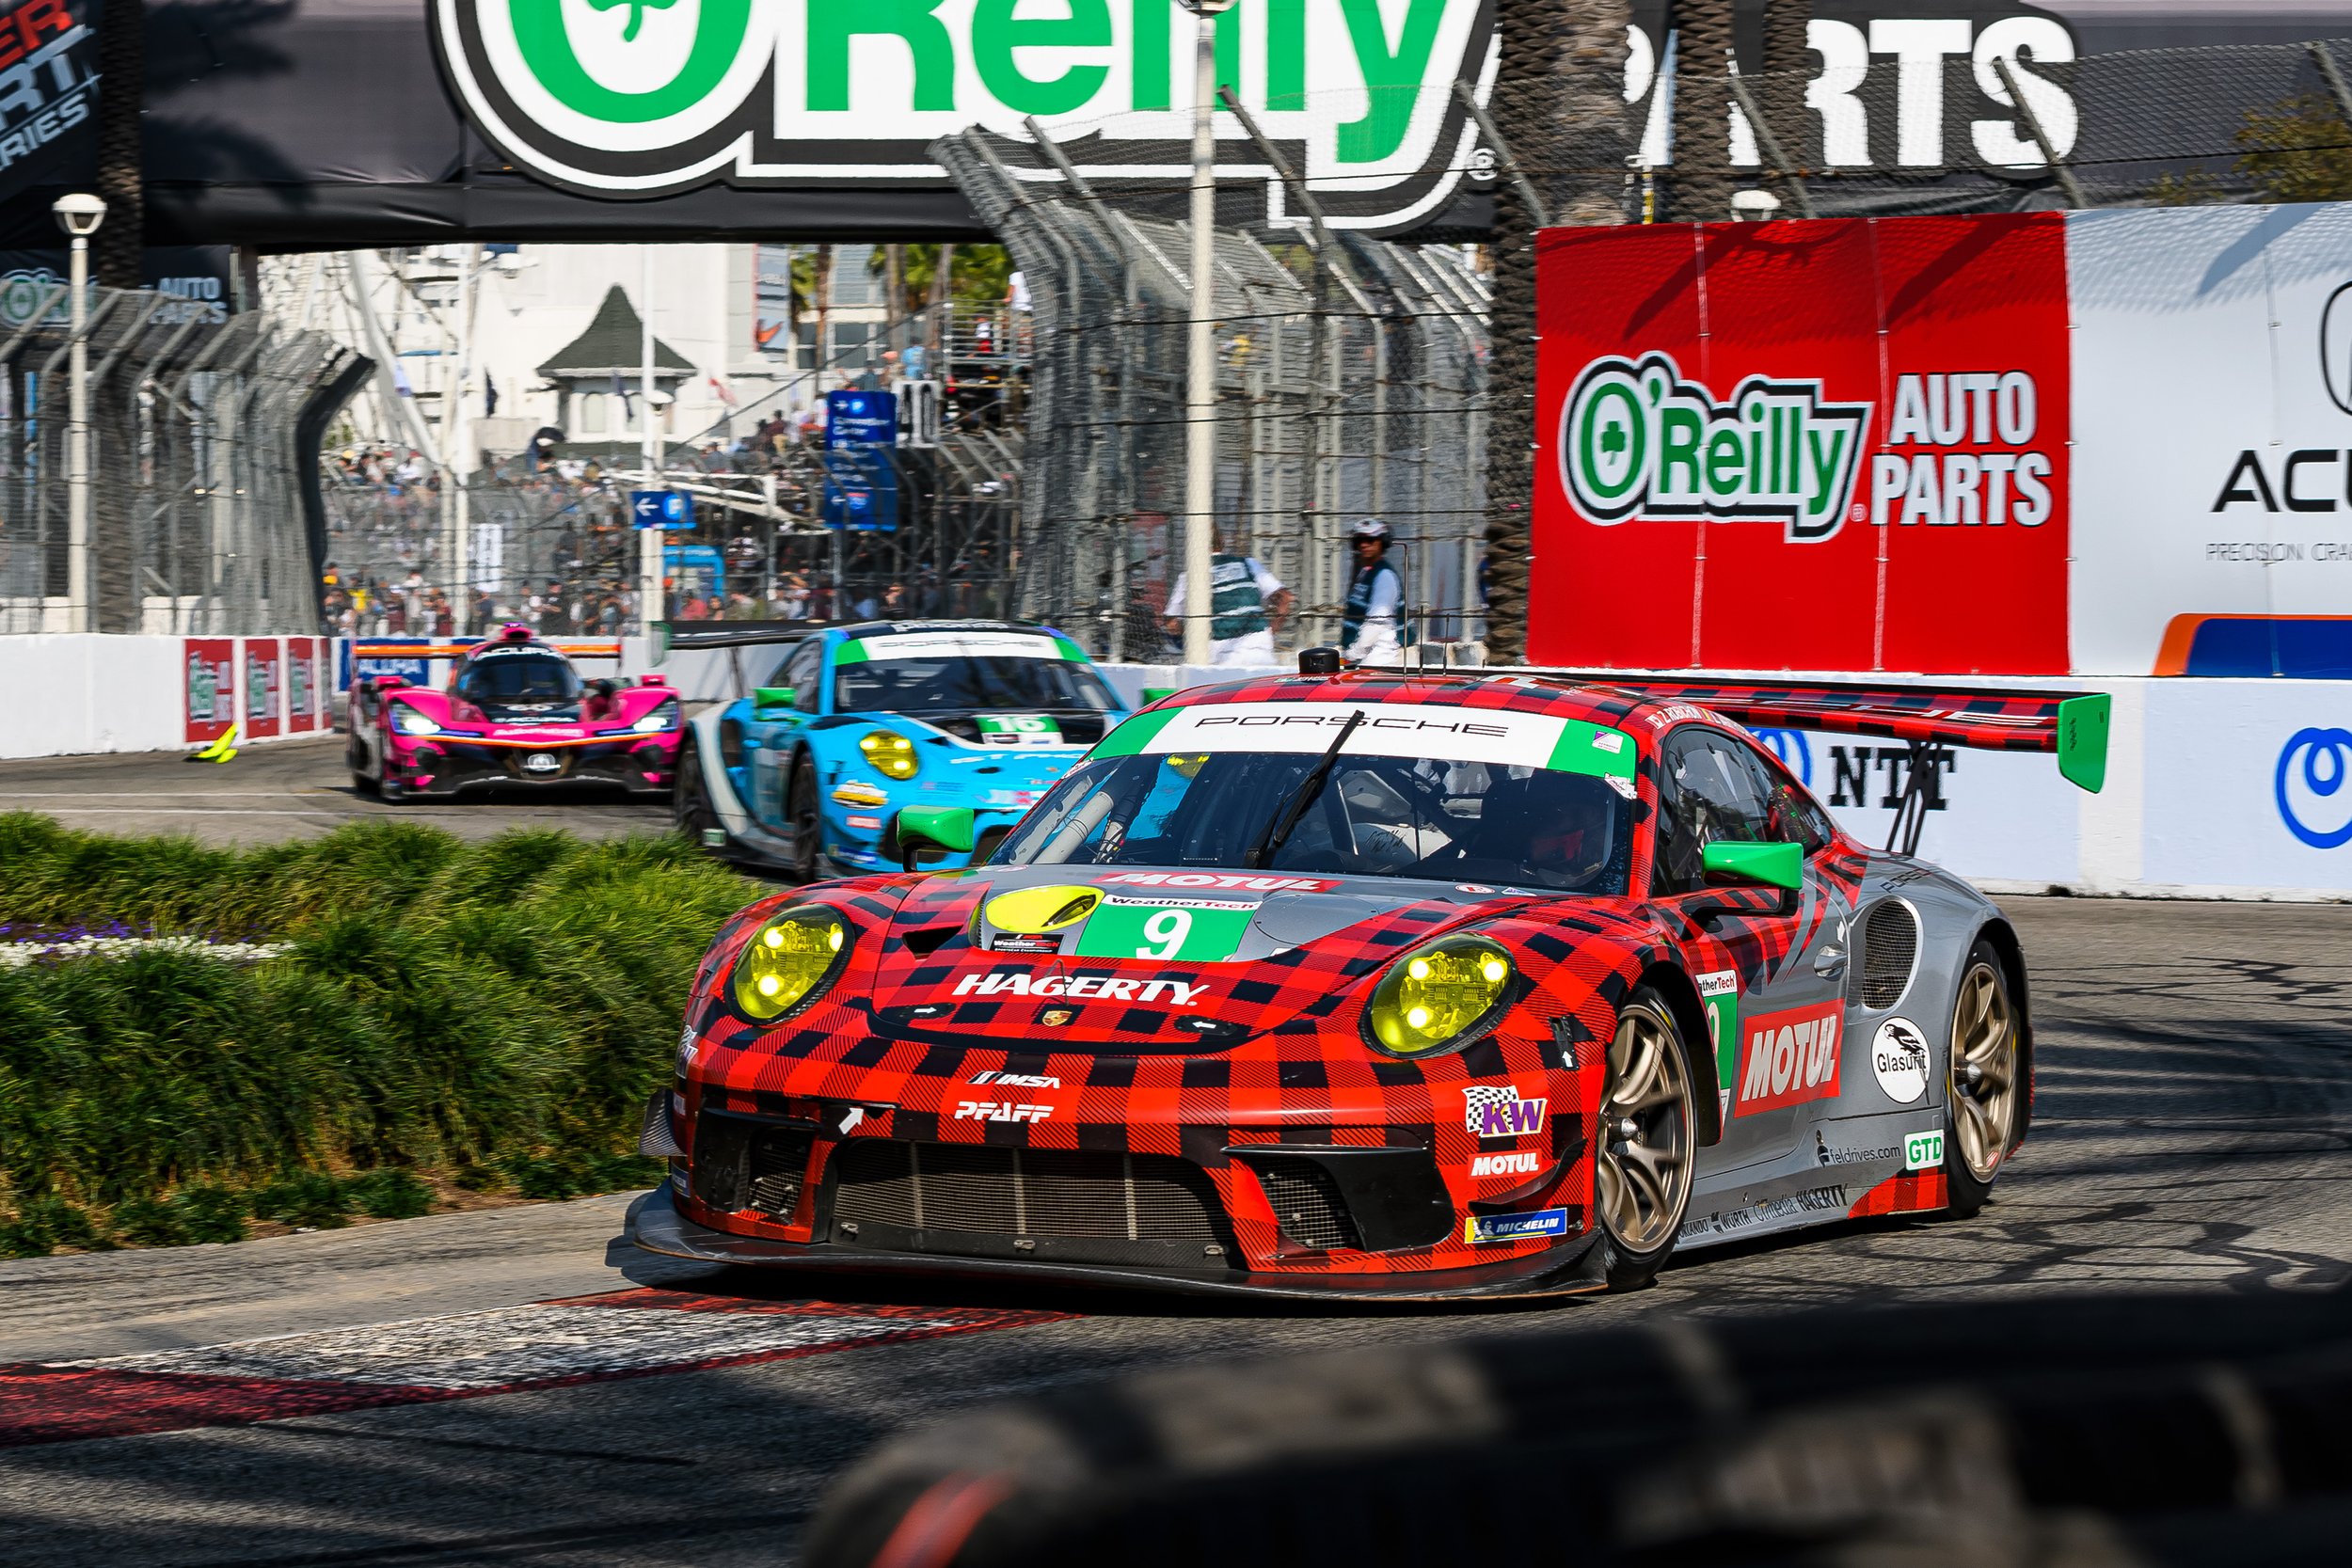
[(662, 509), (861, 482)]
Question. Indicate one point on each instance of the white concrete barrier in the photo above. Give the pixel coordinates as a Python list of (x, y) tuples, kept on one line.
[(2215, 788)]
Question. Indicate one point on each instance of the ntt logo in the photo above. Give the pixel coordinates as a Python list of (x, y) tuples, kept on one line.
[(2312, 801)]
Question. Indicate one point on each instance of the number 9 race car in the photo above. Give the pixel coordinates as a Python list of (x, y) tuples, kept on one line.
[(515, 712), (1372, 985), (808, 775)]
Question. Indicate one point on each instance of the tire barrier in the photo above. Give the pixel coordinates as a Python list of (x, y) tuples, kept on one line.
[(2080, 1434)]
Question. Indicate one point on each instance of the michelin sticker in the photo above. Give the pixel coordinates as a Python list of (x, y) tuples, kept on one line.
[(1898, 1054), (1515, 1227)]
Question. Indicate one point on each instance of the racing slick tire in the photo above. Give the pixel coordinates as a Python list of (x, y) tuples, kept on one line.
[(1645, 1144), (689, 802), (807, 817), (356, 758), (1984, 1095)]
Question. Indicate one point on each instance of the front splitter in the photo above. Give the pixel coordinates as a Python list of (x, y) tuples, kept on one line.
[(656, 1226)]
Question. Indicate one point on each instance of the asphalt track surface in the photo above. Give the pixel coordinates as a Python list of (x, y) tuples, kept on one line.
[(509, 1387), (283, 789)]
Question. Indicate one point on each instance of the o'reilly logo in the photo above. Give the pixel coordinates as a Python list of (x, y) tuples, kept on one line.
[(640, 97), (1640, 443)]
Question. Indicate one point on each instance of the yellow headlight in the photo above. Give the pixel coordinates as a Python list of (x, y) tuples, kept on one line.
[(892, 753), (786, 959), (1429, 999)]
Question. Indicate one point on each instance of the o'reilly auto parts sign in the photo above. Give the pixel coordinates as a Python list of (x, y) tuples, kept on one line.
[(628, 98)]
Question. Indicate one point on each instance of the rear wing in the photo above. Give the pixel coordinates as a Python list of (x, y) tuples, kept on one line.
[(2072, 725)]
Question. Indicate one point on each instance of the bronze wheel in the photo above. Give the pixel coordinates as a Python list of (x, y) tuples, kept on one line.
[(1646, 1133), (1984, 1077)]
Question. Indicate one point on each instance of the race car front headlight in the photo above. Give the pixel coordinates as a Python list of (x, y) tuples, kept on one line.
[(661, 718), (892, 753), (788, 961), (409, 721), (1435, 997)]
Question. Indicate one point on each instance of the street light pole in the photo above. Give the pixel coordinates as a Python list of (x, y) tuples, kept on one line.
[(650, 542), (79, 215), (1200, 356)]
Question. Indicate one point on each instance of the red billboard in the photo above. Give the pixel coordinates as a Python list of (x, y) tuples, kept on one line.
[(305, 697), (1834, 445), (264, 685), (211, 705)]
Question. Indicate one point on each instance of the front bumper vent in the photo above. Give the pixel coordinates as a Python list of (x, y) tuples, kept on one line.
[(982, 1200), (753, 1163), (1307, 1204)]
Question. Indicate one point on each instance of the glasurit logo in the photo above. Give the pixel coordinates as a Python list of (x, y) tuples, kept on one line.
[(1640, 443), (640, 97)]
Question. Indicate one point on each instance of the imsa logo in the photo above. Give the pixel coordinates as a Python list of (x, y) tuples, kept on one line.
[(1639, 443)]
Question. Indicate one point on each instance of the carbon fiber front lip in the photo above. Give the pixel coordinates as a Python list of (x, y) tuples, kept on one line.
[(655, 1224)]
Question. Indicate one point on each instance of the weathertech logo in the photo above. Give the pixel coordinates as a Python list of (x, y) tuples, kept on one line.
[(1789, 1058), (1639, 442), (1500, 1112)]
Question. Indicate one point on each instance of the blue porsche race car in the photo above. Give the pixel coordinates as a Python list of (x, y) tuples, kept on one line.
[(857, 723)]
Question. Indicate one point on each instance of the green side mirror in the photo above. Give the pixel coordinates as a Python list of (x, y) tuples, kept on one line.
[(937, 826), (1780, 865), (774, 696)]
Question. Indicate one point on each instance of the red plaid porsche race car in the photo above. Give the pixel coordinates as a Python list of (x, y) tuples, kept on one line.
[(1372, 985)]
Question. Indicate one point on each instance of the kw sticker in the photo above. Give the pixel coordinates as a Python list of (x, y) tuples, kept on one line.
[(1789, 1057), (1500, 1112), (1101, 988)]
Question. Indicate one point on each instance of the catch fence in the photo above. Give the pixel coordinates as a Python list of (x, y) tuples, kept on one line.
[(202, 440), (1351, 383)]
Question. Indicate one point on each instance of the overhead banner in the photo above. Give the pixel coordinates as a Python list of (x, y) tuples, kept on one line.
[(1833, 445), (637, 98), (2106, 443)]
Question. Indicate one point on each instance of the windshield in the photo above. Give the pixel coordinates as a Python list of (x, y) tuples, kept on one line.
[(970, 683), (534, 677), (1373, 817)]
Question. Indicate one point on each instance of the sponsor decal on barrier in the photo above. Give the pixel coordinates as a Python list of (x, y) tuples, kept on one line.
[(1789, 1057), (1639, 443), (1515, 1227), (1506, 1164), (1923, 1151), (1105, 987), (1899, 1057), (1500, 1112), (2309, 785), (994, 1110), (211, 687)]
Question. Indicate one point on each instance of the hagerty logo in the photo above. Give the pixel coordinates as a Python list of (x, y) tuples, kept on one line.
[(1638, 442)]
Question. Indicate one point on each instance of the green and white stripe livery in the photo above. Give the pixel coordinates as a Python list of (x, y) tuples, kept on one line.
[(957, 644), (1492, 735)]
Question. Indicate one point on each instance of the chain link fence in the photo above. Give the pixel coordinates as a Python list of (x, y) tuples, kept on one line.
[(204, 442), (549, 542), (1351, 383)]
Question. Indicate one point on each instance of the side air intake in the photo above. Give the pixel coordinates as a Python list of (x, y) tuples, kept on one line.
[(1890, 950)]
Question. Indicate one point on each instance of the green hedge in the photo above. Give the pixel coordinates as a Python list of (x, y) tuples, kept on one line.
[(439, 1005)]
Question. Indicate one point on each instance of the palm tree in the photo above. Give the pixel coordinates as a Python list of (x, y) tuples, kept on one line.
[(121, 103), (1557, 101), (1700, 187)]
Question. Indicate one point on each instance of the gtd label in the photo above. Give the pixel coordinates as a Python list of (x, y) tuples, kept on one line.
[(2312, 801)]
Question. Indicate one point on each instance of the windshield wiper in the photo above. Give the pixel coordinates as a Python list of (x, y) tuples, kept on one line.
[(1309, 787)]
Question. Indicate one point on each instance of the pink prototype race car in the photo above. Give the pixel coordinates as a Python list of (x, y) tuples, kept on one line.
[(515, 712)]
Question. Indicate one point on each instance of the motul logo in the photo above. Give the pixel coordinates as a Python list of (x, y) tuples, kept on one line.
[(1506, 1164), (1789, 1057)]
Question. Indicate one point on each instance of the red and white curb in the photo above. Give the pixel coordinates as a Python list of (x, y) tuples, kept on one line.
[(504, 1350)]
